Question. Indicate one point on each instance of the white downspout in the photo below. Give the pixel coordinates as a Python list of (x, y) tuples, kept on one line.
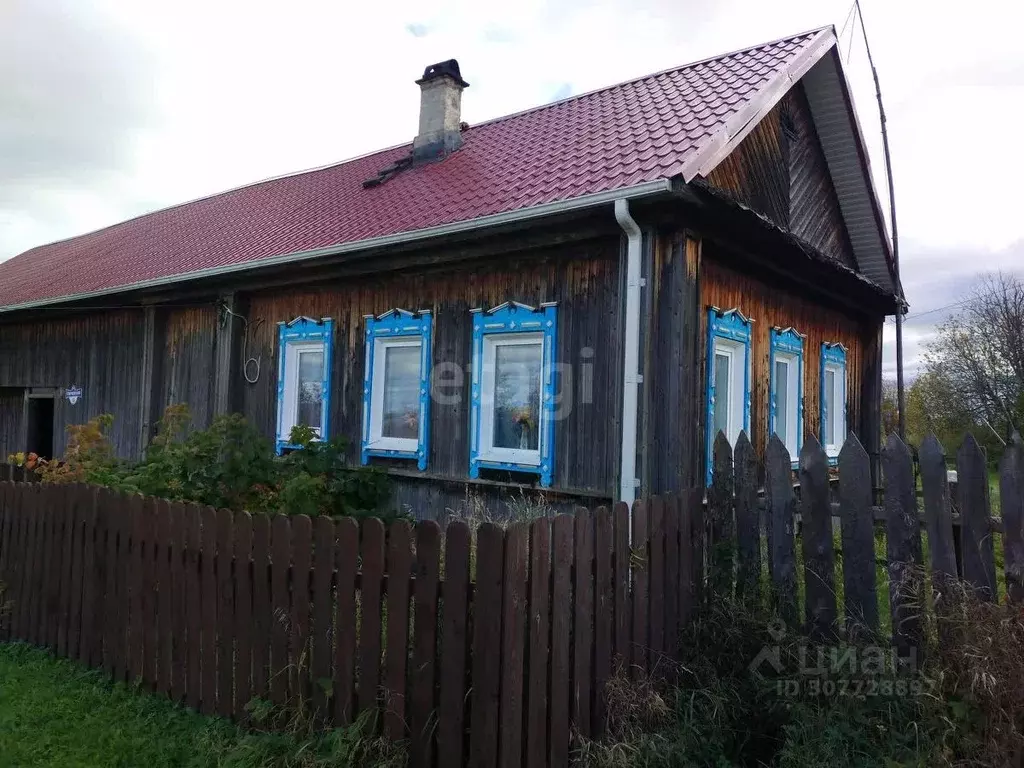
[(631, 377)]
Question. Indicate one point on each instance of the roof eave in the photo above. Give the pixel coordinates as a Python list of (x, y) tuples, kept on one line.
[(653, 188)]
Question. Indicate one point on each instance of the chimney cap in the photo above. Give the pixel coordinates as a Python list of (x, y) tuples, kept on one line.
[(448, 68)]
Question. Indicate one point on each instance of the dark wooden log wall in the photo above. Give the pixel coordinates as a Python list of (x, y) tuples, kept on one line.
[(673, 395), (583, 278), (12, 414), (779, 170), (772, 305), (188, 363), (100, 352)]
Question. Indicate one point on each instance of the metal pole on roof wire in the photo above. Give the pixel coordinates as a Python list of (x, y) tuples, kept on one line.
[(901, 396)]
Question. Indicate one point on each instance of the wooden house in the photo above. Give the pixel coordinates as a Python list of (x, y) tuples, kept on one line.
[(573, 298)]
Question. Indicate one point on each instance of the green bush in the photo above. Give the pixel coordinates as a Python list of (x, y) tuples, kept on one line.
[(230, 465)]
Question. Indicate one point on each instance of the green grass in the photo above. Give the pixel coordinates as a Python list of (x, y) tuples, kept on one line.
[(54, 712)]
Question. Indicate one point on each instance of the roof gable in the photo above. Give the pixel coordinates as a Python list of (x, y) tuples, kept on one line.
[(664, 126)]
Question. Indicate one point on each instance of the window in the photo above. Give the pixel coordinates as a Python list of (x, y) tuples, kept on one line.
[(513, 390), (786, 402), (833, 398), (303, 378), (396, 386), (728, 378)]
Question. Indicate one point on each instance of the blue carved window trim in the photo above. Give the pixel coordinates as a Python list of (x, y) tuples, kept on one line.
[(787, 341), (303, 330), (833, 355), (398, 324), (731, 326), (516, 318)]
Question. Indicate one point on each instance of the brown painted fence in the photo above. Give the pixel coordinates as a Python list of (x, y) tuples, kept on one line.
[(481, 649), (961, 545)]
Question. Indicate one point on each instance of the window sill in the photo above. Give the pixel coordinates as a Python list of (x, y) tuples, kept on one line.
[(605, 497)]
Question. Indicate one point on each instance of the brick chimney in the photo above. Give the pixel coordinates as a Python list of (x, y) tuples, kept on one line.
[(440, 111)]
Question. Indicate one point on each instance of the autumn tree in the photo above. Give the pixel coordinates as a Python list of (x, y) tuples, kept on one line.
[(974, 370)]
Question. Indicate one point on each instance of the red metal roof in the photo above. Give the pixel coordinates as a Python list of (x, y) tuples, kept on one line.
[(644, 130)]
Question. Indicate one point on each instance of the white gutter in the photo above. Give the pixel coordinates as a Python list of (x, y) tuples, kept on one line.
[(647, 188), (631, 376)]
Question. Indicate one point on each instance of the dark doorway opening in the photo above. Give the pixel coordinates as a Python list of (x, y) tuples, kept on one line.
[(40, 426)]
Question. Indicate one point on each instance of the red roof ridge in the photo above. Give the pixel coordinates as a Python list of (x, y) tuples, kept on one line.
[(650, 75)]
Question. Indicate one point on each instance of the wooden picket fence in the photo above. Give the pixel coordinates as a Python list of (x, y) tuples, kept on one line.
[(480, 648), (961, 545), (16, 474)]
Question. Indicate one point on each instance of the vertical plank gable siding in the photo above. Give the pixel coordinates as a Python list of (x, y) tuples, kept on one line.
[(724, 287), (583, 279), (99, 352), (433, 675), (779, 170)]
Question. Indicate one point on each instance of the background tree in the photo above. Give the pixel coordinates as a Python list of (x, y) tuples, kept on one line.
[(974, 369)]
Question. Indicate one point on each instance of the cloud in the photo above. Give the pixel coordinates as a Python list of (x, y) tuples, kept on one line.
[(417, 30), (76, 97)]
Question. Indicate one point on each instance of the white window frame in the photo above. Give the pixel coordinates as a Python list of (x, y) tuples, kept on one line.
[(837, 415), (794, 386), (735, 398), (488, 451), (378, 441), (290, 402)]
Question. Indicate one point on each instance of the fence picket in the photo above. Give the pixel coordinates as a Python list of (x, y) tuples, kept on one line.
[(979, 567), (298, 644), (147, 560), (904, 547), (720, 512), (513, 646), (603, 608), (346, 561), (858, 539), (261, 602), (422, 682), (280, 563), (656, 583), (538, 627), (562, 546), (483, 733), (323, 625), (623, 605), (781, 511), (454, 651), (397, 651), (65, 565), (164, 653), (92, 542), (583, 626), (243, 611), (938, 517), (372, 550), (179, 607), (819, 557), (690, 502), (225, 613), (641, 592), (44, 563), (193, 531), (748, 526), (208, 609), (1011, 499)]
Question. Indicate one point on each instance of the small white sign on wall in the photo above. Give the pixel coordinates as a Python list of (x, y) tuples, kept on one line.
[(73, 394)]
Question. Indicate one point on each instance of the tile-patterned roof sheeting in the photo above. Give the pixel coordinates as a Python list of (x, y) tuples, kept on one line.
[(618, 137)]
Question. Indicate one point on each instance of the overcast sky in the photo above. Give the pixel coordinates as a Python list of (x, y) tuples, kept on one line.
[(111, 108)]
